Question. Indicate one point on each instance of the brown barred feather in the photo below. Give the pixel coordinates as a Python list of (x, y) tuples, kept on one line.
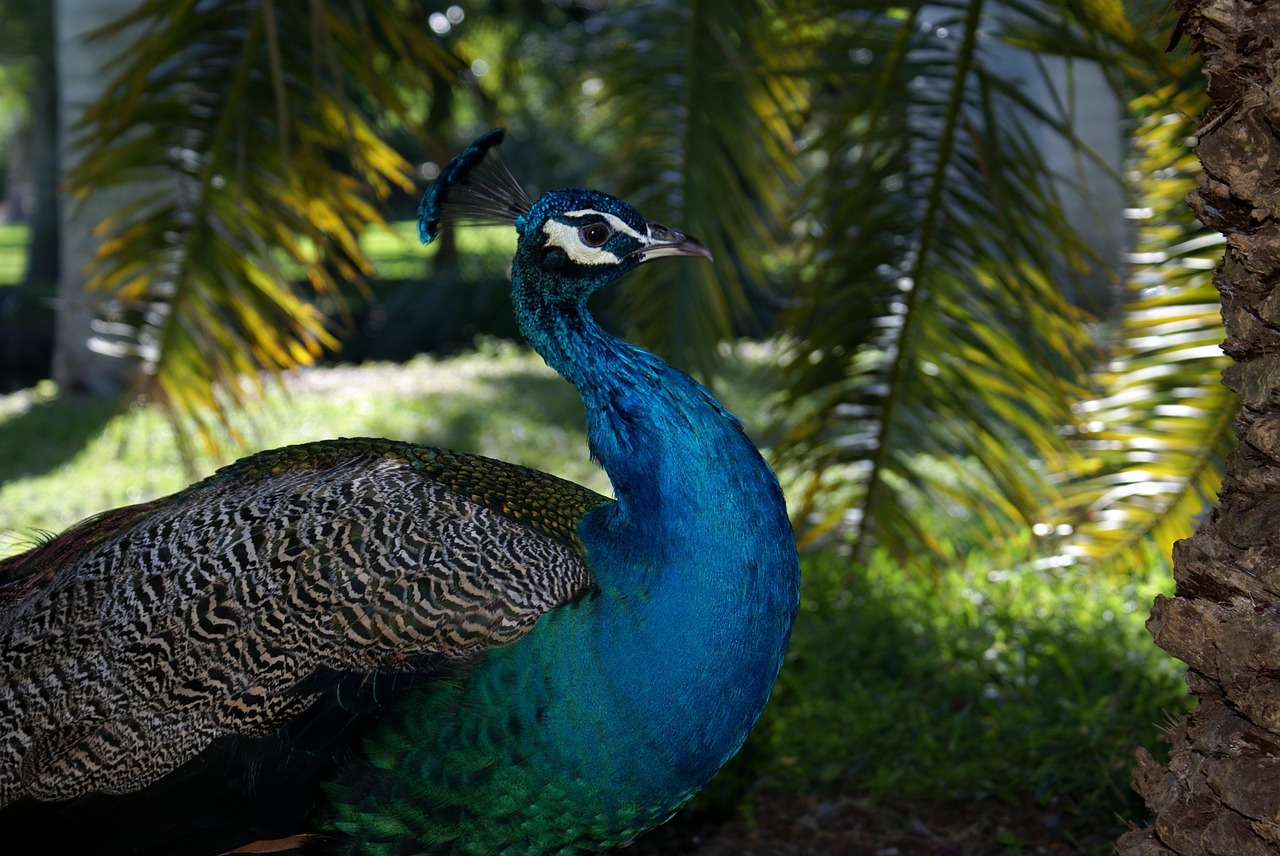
[(137, 638)]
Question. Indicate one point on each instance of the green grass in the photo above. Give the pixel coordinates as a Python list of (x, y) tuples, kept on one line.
[(13, 253), (1011, 681), (1005, 681), (62, 460), (397, 254)]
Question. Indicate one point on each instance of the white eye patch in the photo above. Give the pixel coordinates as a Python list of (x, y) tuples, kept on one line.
[(566, 237)]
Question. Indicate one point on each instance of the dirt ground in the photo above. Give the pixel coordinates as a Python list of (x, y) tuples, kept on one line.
[(848, 826)]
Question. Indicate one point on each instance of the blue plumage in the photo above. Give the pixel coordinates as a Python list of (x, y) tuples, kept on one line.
[(602, 659)]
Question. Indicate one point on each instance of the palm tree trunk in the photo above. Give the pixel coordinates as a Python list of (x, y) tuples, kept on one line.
[(1220, 791)]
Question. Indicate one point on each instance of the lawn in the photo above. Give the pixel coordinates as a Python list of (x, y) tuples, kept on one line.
[(989, 708), (13, 253)]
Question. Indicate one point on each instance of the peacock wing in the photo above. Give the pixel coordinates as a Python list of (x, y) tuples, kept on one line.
[(214, 611)]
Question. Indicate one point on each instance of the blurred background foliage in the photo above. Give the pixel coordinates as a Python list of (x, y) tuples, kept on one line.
[(990, 311)]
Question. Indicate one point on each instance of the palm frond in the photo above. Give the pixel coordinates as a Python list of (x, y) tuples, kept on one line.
[(933, 322), (1156, 438), (241, 121), (701, 119)]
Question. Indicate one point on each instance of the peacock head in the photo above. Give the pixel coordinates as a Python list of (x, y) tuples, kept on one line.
[(577, 239)]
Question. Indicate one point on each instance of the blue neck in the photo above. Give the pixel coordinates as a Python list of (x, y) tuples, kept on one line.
[(619, 706), (674, 455), (697, 555)]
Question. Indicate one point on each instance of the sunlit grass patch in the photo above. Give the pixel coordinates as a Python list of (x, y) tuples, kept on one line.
[(62, 459), (13, 253)]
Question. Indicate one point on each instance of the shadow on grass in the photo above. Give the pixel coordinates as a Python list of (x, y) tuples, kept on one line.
[(49, 434), (523, 401)]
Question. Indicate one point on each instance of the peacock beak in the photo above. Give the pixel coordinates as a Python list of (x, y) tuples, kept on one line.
[(669, 242)]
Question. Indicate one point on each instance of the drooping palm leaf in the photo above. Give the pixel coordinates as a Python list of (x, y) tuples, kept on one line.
[(934, 358), (1156, 437), (701, 122), (934, 325), (240, 121)]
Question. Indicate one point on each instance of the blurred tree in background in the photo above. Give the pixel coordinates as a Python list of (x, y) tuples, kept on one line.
[(965, 345), (28, 186), (28, 97), (898, 197)]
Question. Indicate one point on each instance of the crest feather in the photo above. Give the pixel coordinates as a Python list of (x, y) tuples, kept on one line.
[(473, 189)]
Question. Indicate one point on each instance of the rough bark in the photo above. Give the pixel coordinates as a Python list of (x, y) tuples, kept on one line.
[(1220, 791)]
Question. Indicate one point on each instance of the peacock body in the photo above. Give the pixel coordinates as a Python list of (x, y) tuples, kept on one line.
[(372, 647)]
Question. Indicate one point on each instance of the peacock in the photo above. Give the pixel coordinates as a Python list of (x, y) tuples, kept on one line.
[(369, 646)]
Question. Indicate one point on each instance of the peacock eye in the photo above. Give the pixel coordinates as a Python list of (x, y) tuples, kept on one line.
[(595, 234)]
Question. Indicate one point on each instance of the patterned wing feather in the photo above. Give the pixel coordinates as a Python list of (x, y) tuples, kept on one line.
[(128, 651)]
